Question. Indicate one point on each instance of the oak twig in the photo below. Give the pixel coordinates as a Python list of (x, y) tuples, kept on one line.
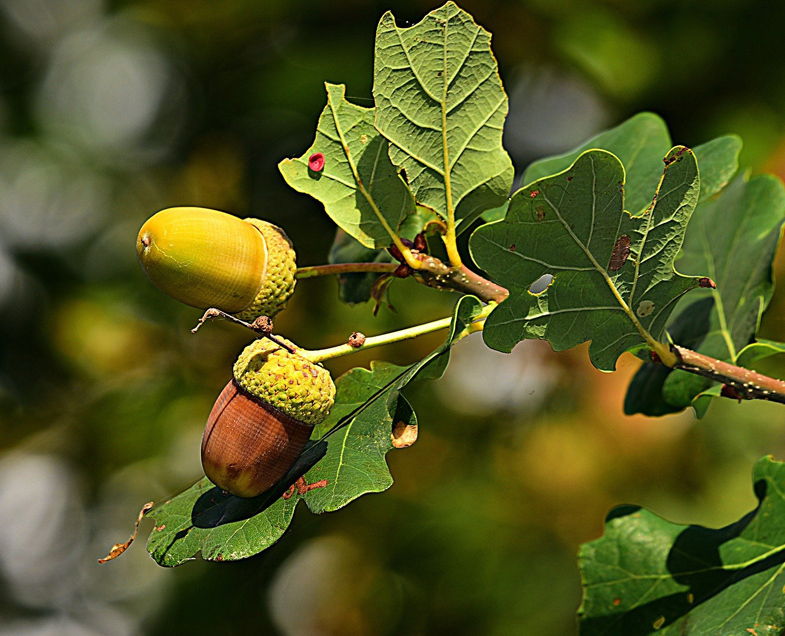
[(262, 325), (748, 385)]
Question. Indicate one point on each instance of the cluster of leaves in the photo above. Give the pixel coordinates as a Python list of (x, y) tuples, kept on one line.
[(606, 227)]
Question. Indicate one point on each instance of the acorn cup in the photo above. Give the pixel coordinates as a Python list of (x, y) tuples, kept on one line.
[(206, 258), (263, 418)]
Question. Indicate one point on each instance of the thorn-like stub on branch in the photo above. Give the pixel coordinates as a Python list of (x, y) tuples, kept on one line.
[(210, 314), (707, 283), (356, 340), (730, 391)]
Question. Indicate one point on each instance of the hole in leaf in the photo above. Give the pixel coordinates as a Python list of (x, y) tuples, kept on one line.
[(541, 284)]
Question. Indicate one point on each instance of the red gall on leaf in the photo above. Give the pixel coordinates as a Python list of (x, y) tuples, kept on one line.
[(316, 162)]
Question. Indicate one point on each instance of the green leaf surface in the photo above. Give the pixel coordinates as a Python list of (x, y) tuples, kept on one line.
[(360, 189), (733, 239), (718, 161), (757, 351), (646, 575), (573, 226), (440, 103), (640, 143), (348, 451)]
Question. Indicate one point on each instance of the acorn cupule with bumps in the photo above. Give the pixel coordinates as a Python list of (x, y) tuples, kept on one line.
[(206, 258), (263, 418)]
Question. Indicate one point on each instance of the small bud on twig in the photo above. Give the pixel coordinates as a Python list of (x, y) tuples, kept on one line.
[(356, 340), (403, 271)]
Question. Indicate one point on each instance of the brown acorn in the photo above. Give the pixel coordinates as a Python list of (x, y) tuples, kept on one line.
[(263, 418)]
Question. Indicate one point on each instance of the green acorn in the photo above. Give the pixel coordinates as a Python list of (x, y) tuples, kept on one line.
[(207, 258), (263, 418)]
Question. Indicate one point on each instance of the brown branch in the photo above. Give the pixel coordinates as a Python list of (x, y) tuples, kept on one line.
[(434, 273), (748, 385)]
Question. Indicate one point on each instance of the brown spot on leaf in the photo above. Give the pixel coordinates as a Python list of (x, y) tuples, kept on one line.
[(620, 253), (119, 548), (617, 602), (512, 247), (540, 211), (403, 435)]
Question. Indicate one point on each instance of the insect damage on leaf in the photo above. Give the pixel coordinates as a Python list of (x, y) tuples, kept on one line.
[(620, 253)]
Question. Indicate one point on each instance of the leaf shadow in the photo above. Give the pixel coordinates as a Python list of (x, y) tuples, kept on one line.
[(694, 561), (216, 508)]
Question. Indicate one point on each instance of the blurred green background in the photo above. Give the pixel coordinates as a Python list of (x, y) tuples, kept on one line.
[(111, 110)]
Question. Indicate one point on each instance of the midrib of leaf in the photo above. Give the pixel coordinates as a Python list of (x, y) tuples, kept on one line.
[(359, 181), (718, 304), (650, 214), (656, 346), (340, 459), (452, 250)]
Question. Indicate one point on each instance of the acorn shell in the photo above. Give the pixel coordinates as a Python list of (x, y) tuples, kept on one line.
[(206, 258), (248, 445), (203, 258)]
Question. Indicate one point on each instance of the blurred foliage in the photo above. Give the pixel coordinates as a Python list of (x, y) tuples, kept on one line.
[(110, 111)]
